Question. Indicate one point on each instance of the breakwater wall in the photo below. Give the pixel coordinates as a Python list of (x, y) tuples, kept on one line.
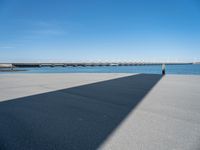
[(26, 65)]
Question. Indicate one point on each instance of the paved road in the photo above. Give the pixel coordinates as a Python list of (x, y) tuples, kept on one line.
[(99, 111)]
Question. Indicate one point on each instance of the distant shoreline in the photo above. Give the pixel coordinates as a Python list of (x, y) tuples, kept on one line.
[(87, 64)]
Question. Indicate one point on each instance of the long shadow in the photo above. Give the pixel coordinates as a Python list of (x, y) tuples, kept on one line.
[(78, 118)]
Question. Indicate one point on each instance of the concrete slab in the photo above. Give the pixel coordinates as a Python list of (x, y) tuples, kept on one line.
[(167, 118), (20, 85), (99, 111)]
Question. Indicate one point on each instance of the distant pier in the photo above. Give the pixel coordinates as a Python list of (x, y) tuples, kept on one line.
[(84, 64)]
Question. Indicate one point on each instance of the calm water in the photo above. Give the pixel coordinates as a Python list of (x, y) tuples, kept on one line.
[(170, 69)]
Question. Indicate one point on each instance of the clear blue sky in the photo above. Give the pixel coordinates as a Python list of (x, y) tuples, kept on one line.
[(99, 30)]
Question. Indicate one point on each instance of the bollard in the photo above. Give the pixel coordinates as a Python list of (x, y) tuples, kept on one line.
[(12, 67), (163, 69)]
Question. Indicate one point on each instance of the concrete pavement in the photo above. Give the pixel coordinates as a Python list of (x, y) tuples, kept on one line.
[(99, 111)]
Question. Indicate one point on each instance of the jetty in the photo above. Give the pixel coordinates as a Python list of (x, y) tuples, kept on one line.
[(99, 111), (91, 64)]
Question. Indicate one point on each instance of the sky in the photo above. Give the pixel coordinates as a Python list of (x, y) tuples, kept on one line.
[(99, 30)]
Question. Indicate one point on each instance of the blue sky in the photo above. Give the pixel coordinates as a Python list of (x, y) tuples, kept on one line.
[(99, 30)]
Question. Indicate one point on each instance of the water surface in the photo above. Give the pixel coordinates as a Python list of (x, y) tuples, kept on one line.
[(155, 69)]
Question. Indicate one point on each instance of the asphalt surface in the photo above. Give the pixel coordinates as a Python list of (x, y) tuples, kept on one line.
[(99, 111)]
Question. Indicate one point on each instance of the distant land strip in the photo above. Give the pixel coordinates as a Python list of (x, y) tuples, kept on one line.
[(24, 65)]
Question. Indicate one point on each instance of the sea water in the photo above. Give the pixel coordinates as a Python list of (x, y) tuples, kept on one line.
[(154, 69)]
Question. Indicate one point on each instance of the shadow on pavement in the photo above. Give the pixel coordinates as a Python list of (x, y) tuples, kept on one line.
[(75, 118)]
